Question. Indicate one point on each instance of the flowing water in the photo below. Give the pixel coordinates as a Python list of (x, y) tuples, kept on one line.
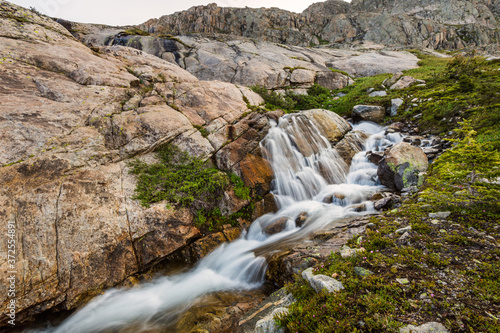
[(308, 173)]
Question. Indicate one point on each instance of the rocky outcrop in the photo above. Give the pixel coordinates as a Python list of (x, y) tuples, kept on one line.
[(434, 24), (401, 166), (71, 119)]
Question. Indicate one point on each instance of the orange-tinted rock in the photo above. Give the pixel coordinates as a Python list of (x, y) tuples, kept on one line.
[(257, 174)]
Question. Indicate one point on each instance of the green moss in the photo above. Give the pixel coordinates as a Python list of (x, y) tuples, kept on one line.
[(204, 132), (179, 179), (135, 31)]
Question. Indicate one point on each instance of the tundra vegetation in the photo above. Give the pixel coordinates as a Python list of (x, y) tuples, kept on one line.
[(451, 264)]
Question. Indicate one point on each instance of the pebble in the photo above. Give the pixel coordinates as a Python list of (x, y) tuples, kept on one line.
[(439, 215), (435, 221), (362, 271), (403, 230), (403, 281)]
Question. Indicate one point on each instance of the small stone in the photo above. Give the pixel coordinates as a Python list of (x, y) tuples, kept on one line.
[(335, 275), (320, 282), (369, 90), (435, 222), (395, 105), (362, 271), (472, 229), (424, 296), (403, 281), (378, 94), (404, 236), (431, 327), (347, 252), (371, 226), (403, 230), (439, 215)]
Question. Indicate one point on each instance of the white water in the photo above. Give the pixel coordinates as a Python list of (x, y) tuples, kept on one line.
[(302, 183)]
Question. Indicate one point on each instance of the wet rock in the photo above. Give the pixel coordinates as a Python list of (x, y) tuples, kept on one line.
[(256, 174), (301, 219), (431, 327), (385, 203), (376, 197), (350, 145), (265, 206), (276, 226), (320, 282), (375, 157), (369, 113), (395, 105), (331, 125), (439, 215), (401, 166), (358, 208)]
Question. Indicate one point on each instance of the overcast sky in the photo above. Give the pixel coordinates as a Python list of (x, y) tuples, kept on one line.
[(123, 12)]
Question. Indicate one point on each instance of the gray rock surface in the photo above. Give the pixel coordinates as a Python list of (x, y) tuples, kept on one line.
[(431, 327), (369, 113), (401, 166), (320, 282), (378, 94), (395, 105), (268, 325)]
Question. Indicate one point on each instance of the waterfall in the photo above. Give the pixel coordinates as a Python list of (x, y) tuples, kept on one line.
[(310, 178)]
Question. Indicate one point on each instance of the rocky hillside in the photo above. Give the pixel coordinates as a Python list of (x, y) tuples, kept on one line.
[(441, 24)]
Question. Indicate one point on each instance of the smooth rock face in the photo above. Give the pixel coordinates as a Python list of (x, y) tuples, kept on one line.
[(330, 124), (71, 119), (369, 113), (320, 282), (240, 60), (431, 327), (401, 166)]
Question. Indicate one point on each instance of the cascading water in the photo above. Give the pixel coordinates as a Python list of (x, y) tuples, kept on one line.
[(310, 178)]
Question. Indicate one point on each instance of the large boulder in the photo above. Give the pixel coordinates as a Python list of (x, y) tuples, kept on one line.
[(369, 113), (401, 166), (330, 124)]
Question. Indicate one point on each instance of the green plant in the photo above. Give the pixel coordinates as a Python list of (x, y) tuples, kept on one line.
[(464, 174), (180, 179), (135, 31)]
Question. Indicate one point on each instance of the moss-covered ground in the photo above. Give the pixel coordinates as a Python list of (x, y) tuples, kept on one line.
[(444, 269)]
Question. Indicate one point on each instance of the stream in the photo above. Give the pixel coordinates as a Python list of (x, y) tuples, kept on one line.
[(302, 184)]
